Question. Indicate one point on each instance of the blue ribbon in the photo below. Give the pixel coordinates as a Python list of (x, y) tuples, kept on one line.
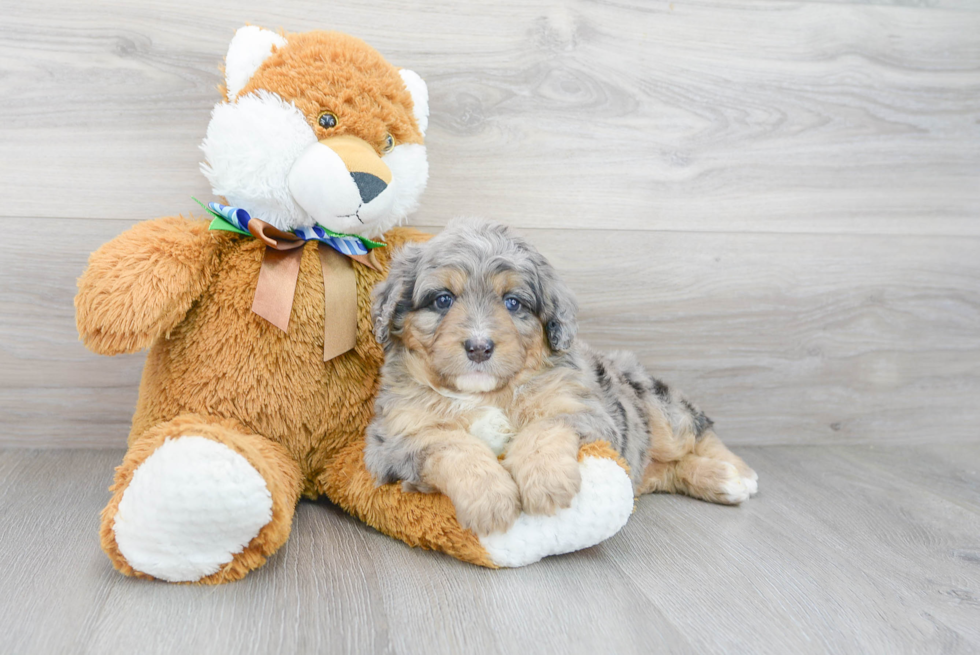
[(236, 219)]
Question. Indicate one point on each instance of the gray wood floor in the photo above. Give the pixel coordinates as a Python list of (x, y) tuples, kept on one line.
[(848, 549)]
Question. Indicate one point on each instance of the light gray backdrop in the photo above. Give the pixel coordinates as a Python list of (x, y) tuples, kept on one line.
[(775, 203)]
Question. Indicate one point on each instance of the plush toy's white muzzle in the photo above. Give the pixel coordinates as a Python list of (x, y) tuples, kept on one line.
[(260, 154), (335, 180)]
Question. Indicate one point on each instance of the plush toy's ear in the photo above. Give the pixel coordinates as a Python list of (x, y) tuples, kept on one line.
[(420, 97), (393, 297), (249, 47)]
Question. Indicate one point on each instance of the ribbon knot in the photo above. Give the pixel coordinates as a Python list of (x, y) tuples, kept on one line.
[(279, 274)]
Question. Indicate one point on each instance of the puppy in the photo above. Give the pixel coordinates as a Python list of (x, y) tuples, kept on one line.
[(486, 394)]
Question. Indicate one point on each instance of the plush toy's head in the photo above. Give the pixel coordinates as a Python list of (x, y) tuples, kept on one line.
[(317, 128)]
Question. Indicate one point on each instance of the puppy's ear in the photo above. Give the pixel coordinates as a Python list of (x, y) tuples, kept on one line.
[(393, 297), (559, 310)]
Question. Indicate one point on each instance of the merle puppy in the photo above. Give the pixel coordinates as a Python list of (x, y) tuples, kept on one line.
[(486, 394)]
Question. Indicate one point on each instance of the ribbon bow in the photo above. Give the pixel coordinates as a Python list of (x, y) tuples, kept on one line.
[(276, 286)]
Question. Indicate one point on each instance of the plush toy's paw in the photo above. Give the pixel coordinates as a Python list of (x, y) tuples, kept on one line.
[(489, 504), (190, 507), (599, 510)]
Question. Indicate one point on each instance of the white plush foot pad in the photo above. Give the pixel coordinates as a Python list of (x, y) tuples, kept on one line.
[(600, 510), (190, 507)]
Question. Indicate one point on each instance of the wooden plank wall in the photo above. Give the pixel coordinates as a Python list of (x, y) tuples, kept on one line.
[(776, 203)]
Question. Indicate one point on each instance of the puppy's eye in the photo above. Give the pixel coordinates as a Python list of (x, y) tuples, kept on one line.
[(443, 301), (512, 304), (327, 119), (389, 143)]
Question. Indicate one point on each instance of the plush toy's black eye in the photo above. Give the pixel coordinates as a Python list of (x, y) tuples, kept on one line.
[(512, 304), (389, 143), (327, 119), (444, 301)]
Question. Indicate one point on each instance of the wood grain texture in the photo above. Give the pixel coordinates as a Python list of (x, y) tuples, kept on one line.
[(846, 549), (964, 5), (705, 116), (844, 554), (782, 339), (776, 203)]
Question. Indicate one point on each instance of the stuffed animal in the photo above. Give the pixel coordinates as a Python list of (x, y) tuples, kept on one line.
[(262, 365)]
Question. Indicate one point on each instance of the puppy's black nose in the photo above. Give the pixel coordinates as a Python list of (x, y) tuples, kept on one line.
[(369, 186), (478, 350)]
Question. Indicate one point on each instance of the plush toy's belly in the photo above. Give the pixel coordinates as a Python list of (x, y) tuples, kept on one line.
[(225, 361)]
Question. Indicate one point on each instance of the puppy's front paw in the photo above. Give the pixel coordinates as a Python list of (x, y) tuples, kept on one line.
[(547, 484), (488, 503)]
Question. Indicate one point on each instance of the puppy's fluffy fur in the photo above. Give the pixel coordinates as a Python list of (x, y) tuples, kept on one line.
[(486, 394)]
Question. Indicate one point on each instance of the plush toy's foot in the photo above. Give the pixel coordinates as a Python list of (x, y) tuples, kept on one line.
[(198, 501), (599, 511)]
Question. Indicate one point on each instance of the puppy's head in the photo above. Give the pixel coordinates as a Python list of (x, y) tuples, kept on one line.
[(473, 307)]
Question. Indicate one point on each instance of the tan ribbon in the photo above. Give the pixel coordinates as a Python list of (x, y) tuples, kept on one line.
[(276, 287), (339, 302)]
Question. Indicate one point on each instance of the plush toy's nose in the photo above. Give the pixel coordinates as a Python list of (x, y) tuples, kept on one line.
[(370, 173), (369, 186)]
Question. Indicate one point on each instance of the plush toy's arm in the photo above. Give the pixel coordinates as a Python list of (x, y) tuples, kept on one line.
[(140, 285)]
